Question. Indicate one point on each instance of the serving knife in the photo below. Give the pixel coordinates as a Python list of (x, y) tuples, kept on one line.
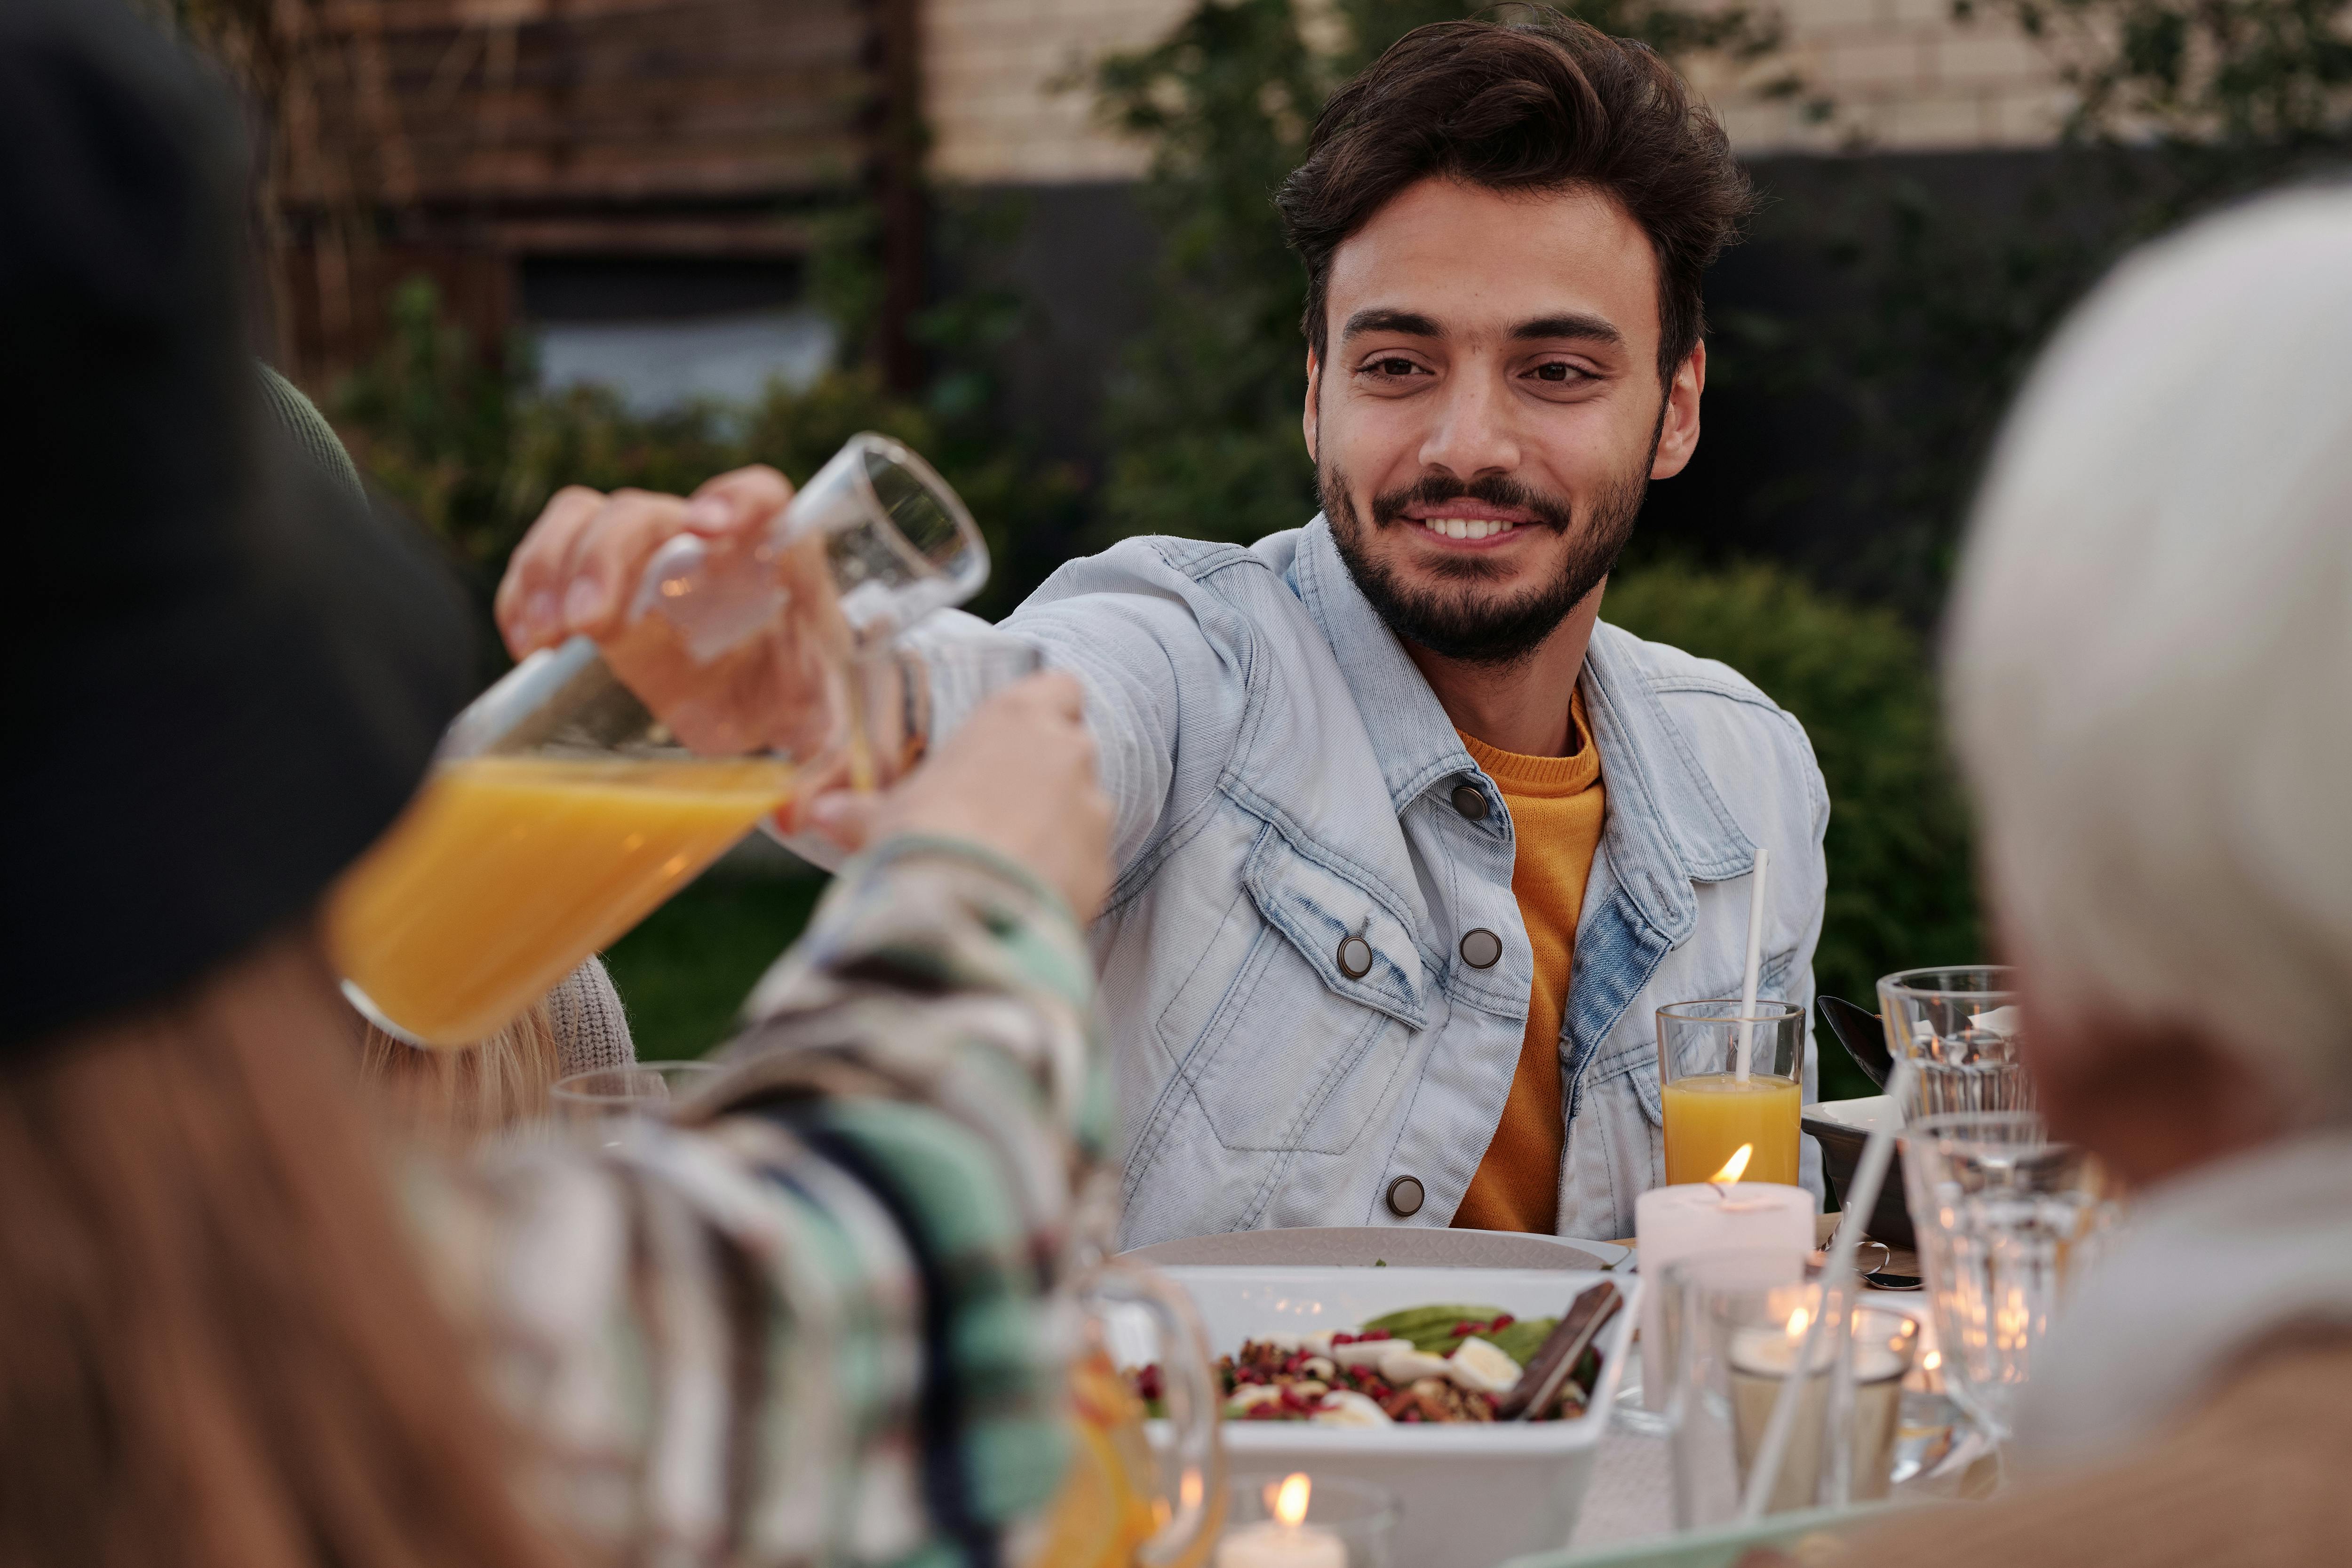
[(1539, 1385)]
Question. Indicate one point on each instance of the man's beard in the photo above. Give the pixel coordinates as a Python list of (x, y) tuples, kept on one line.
[(1459, 623)]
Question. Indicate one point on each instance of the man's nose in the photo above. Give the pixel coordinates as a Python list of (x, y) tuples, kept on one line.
[(1475, 430)]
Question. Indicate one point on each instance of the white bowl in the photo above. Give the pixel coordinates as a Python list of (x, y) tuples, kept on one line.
[(1472, 1495), (1387, 1245)]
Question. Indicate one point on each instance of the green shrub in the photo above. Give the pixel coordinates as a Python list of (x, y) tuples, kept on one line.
[(1900, 893)]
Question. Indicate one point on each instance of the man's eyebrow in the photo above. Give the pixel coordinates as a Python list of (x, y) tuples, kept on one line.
[(1590, 328), (1411, 323)]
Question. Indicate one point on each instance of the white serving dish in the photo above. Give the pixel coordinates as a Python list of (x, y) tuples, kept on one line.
[(1386, 1246), (1472, 1495)]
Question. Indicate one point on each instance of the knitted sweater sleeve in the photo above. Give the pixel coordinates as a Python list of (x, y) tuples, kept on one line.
[(592, 1027)]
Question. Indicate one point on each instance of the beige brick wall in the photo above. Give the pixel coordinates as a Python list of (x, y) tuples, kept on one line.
[(1903, 75), (993, 75)]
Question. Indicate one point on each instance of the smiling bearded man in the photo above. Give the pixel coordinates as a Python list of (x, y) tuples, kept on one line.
[(1412, 847)]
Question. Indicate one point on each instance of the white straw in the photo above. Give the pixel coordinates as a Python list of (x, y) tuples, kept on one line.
[(1755, 956), (1838, 1285)]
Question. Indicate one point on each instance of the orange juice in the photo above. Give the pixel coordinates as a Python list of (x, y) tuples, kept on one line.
[(506, 872), (1710, 1115), (1108, 1507)]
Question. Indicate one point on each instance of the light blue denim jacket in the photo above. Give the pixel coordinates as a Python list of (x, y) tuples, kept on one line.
[(1283, 779)]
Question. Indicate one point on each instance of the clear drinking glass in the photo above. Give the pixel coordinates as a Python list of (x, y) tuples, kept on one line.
[(642, 1088), (897, 693), (1711, 1111), (2003, 1216), (561, 810), (1340, 1520), (1743, 1318), (1958, 1027)]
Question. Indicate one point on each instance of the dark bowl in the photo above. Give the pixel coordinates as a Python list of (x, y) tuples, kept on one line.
[(1841, 1146)]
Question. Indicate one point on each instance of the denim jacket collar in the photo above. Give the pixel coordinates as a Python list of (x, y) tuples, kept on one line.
[(1666, 824)]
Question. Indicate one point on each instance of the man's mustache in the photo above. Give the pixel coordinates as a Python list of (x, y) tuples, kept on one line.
[(1492, 489)]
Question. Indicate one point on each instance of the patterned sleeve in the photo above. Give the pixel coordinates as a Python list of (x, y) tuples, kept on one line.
[(808, 1317)]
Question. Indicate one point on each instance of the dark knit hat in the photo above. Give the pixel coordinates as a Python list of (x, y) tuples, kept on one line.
[(224, 676)]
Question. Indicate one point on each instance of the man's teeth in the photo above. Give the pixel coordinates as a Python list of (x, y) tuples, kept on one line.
[(1467, 527)]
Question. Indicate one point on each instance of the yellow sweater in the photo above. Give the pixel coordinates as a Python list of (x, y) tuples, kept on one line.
[(1555, 809)]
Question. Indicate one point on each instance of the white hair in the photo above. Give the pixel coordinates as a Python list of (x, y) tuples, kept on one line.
[(2149, 659)]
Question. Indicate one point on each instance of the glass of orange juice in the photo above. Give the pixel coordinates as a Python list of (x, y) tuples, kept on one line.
[(1133, 1497), (1714, 1101), (577, 793)]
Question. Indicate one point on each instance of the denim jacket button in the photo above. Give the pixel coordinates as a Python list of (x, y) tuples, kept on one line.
[(1404, 1196), (1355, 957), (1470, 801), (1481, 949)]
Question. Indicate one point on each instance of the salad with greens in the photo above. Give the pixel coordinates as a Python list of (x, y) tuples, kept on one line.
[(1447, 1363)]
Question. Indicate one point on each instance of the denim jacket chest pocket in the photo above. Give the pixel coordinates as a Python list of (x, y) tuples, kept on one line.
[(1288, 1042)]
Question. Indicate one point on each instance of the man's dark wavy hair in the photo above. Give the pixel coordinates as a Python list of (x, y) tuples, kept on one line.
[(1540, 104)]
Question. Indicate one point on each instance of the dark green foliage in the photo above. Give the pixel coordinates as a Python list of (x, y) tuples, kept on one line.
[(1858, 679), (475, 451), (685, 971)]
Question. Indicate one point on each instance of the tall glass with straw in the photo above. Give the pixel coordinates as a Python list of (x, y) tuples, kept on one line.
[(1731, 1073)]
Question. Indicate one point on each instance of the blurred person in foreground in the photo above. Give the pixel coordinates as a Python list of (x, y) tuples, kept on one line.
[(804, 1323), (1411, 844), (2150, 686)]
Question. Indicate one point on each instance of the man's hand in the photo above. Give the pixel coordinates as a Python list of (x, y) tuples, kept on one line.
[(577, 570), (1018, 777)]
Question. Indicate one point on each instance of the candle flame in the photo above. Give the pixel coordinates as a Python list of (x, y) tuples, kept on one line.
[(1735, 1165), (1290, 1502), (1799, 1321)]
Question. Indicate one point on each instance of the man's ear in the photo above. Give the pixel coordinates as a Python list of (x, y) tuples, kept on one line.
[(1678, 429), (1306, 419)]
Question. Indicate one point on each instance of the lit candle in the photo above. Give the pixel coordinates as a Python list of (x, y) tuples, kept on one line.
[(1726, 1214), (1762, 1358), (1286, 1541)]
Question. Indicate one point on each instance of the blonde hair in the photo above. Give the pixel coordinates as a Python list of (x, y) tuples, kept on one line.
[(2151, 650), (455, 1096), (221, 1351)]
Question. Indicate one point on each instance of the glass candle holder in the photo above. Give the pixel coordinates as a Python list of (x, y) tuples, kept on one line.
[(1958, 1027), (1712, 1109), (1743, 1322), (1302, 1522)]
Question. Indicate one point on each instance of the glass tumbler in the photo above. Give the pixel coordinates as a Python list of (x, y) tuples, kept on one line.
[(1711, 1108), (2003, 1217), (1958, 1027), (900, 697), (593, 782), (642, 1088)]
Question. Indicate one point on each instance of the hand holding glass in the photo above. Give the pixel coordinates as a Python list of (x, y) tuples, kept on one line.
[(581, 791)]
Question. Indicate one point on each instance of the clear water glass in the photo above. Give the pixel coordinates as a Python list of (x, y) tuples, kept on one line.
[(898, 694), (1959, 1028), (2004, 1217), (643, 1089)]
